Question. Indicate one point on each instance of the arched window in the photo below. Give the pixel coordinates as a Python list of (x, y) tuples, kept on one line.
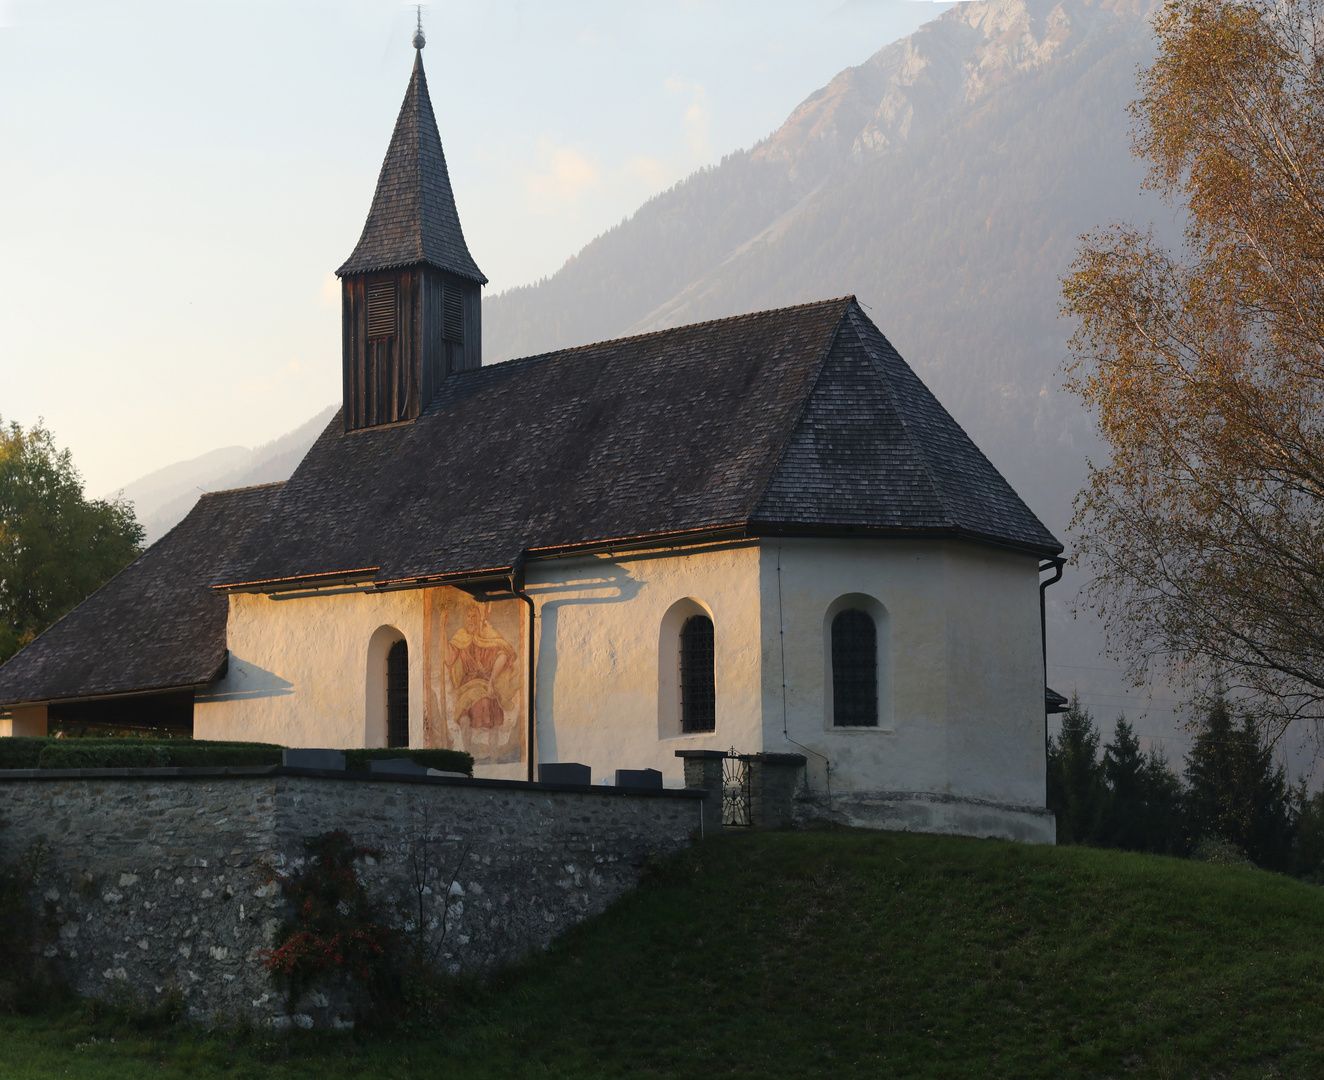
[(854, 669), (397, 695), (698, 688)]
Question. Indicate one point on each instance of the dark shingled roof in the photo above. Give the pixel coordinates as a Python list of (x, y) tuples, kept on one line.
[(155, 625), (413, 218), (802, 419)]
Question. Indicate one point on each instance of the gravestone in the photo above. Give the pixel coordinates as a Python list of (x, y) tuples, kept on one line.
[(564, 772), (397, 765), (306, 758), (638, 778)]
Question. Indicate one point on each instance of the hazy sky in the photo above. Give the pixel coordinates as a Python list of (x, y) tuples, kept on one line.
[(180, 179)]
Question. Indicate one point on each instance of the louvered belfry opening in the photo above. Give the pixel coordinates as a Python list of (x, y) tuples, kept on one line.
[(698, 685), (381, 309), (854, 670), (397, 695)]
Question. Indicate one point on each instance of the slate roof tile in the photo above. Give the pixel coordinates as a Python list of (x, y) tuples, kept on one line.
[(413, 217), (803, 416)]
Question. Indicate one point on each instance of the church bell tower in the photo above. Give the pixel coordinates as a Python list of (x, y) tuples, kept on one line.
[(410, 292)]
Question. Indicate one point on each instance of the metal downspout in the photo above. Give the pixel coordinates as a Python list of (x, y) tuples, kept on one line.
[(531, 721), (1056, 564)]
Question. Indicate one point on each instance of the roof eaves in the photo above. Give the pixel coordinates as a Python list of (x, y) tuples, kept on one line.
[(883, 532), (297, 581), (151, 690)]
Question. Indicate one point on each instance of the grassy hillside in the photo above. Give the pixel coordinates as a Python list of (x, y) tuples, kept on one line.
[(842, 954)]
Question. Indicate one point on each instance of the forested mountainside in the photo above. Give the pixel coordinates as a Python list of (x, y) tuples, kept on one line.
[(944, 182)]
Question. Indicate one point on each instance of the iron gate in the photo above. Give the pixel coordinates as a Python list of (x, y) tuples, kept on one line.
[(735, 790)]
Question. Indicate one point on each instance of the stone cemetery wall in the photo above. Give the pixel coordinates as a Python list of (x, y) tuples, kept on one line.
[(159, 880)]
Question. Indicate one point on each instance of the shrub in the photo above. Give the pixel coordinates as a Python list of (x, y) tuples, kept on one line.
[(27, 979), (336, 935), (27, 752)]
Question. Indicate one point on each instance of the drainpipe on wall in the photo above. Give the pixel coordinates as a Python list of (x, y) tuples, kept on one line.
[(1056, 565), (517, 587)]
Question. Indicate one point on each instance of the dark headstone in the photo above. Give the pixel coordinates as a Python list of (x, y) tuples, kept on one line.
[(646, 778), (397, 765), (565, 772), (313, 759)]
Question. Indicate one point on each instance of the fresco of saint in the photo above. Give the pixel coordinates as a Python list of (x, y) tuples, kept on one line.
[(481, 680)]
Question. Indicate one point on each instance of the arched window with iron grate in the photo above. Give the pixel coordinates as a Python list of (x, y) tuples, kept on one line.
[(698, 686), (397, 695), (854, 669)]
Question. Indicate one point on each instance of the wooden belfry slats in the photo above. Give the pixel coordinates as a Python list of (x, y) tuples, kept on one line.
[(381, 370), (452, 315), (381, 309)]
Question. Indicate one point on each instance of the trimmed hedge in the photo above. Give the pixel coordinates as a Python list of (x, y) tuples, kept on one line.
[(28, 752), (441, 760), (25, 752)]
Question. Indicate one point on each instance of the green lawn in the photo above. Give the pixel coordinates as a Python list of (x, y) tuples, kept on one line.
[(838, 954)]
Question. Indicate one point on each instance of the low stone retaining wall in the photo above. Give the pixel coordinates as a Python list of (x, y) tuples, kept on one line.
[(158, 879), (928, 812)]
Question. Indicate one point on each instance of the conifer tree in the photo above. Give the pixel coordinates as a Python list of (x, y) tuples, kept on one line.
[(1075, 779), (1143, 810), (1236, 792), (1124, 774)]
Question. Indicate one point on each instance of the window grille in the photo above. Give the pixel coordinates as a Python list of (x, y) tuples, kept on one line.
[(381, 309), (854, 670), (397, 695), (452, 321), (698, 688)]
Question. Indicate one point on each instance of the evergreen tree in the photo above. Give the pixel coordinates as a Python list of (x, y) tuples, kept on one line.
[(1308, 818), (1143, 807), (1076, 793), (1124, 774), (1165, 832), (1236, 792)]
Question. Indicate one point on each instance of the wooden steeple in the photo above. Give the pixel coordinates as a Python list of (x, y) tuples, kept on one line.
[(410, 291)]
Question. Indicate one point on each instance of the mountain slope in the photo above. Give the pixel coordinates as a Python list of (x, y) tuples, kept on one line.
[(944, 182), (162, 498)]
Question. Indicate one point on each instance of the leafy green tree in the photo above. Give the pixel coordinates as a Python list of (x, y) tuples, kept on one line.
[(1076, 793), (1235, 790), (56, 546)]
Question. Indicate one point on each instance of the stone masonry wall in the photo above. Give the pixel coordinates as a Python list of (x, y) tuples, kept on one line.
[(158, 880)]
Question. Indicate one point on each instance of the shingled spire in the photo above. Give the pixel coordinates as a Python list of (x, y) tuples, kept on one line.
[(411, 304)]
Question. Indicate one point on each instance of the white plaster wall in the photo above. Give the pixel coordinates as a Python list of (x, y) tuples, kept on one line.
[(602, 666), (966, 710), (965, 716), (298, 672)]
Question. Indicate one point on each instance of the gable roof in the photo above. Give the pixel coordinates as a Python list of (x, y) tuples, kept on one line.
[(801, 419), (155, 625), (413, 217)]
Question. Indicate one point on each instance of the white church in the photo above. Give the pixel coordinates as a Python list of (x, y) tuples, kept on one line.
[(760, 533)]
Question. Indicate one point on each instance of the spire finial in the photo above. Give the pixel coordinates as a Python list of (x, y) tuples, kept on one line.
[(419, 39)]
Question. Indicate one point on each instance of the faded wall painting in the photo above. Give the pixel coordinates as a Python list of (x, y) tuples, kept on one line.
[(474, 664)]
